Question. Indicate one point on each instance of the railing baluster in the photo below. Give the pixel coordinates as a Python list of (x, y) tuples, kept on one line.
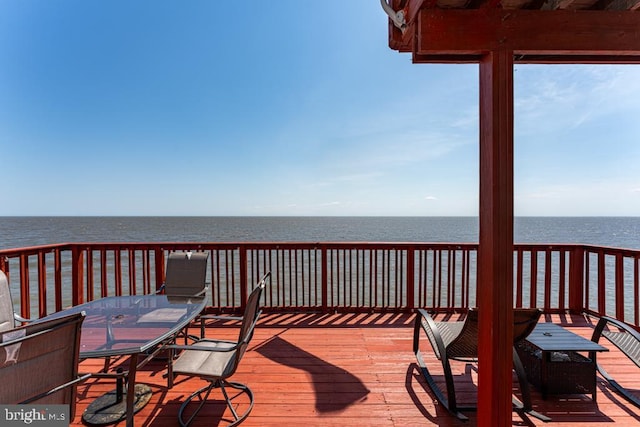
[(42, 285), (619, 286), (519, 270), (602, 300), (562, 287), (547, 279), (58, 279)]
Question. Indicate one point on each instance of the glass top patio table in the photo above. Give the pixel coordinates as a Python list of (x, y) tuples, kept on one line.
[(125, 325), (129, 326)]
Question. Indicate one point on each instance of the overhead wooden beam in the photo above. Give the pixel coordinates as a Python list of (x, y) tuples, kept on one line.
[(529, 59), (560, 35)]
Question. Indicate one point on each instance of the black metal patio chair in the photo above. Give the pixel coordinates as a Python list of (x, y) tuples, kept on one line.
[(458, 340), (216, 361), (627, 340)]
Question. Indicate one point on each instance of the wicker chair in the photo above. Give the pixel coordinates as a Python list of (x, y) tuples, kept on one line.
[(627, 340), (216, 361), (8, 317), (459, 341), (39, 362)]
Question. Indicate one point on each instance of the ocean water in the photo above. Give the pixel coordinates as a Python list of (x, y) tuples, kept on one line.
[(15, 232)]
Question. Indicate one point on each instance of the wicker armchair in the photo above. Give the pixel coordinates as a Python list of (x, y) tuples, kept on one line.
[(459, 341), (627, 340)]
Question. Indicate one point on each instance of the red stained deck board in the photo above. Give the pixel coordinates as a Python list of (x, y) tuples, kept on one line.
[(355, 370)]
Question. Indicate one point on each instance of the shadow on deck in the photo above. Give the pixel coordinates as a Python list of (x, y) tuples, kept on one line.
[(356, 370)]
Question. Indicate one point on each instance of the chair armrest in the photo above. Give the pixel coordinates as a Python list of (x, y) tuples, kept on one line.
[(425, 322), (19, 318), (604, 320), (79, 379), (202, 292), (196, 347), (219, 317), (630, 347)]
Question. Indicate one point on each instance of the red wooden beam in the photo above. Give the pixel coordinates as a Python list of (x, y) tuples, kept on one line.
[(545, 36)]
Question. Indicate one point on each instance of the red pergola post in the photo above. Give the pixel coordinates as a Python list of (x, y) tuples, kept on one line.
[(495, 253), (494, 37)]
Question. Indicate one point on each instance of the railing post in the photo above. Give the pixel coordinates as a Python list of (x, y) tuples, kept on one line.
[(117, 269), (411, 274), (576, 280), (158, 256), (25, 293), (244, 286), (77, 275), (42, 285), (57, 267)]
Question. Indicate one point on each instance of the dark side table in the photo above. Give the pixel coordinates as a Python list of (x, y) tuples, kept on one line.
[(553, 360)]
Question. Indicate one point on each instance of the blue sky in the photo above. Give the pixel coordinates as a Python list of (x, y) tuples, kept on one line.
[(284, 108)]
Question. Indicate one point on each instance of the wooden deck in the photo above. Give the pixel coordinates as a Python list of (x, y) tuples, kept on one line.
[(356, 370)]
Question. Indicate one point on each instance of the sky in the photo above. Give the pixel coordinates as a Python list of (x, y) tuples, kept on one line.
[(284, 108)]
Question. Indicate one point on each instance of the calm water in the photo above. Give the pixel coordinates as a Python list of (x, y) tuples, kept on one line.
[(28, 231)]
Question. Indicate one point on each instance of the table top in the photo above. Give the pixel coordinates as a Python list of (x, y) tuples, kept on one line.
[(131, 324), (552, 337)]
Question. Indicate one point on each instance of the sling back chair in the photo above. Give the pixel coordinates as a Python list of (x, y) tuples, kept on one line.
[(8, 317), (216, 361), (39, 362), (458, 340), (186, 274), (627, 340), (185, 277)]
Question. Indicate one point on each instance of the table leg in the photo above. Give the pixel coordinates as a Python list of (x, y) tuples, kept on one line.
[(592, 356), (118, 404), (544, 379), (131, 388)]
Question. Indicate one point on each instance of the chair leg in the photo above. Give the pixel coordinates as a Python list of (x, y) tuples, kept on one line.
[(107, 363), (198, 393), (244, 389), (524, 406), (222, 384), (448, 403), (631, 398)]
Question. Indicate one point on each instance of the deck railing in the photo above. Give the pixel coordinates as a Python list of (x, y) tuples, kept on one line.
[(330, 276)]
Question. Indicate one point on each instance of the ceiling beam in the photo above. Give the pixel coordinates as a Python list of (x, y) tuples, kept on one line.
[(561, 36)]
